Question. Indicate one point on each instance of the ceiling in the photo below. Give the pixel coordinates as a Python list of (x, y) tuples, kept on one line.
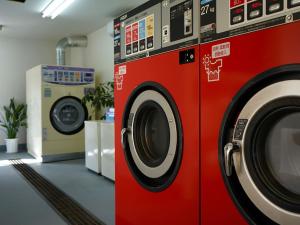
[(23, 20)]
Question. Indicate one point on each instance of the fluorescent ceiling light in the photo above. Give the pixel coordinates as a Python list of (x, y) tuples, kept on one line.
[(55, 7)]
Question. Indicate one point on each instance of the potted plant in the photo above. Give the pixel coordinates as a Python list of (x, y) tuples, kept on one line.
[(99, 134), (11, 120), (100, 99)]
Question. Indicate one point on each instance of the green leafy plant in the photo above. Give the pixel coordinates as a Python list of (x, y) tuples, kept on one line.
[(99, 98), (13, 118)]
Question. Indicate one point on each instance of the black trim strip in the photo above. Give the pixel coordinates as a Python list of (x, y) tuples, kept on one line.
[(175, 47), (159, 51), (71, 211)]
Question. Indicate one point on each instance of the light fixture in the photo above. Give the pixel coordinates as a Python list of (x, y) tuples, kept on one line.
[(55, 7)]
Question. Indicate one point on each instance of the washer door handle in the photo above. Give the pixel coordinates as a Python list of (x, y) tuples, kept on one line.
[(229, 150), (124, 133)]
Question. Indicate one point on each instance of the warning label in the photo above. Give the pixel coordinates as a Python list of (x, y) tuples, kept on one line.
[(135, 32), (221, 50), (122, 70)]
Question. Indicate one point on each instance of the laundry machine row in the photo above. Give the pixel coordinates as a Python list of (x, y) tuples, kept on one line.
[(207, 112)]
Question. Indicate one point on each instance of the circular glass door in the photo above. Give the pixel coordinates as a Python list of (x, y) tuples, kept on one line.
[(67, 115), (153, 139), (266, 151)]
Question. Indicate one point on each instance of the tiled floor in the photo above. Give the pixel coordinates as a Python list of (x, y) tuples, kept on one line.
[(20, 204)]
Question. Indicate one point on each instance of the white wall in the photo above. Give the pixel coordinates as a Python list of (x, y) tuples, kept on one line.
[(98, 55), (16, 57), (75, 57)]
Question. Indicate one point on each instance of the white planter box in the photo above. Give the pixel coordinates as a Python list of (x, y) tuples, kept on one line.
[(11, 145), (99, 136)]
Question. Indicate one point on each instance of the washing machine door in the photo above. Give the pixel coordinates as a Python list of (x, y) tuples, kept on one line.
[(152, 138), (265, 151), (67, 115)]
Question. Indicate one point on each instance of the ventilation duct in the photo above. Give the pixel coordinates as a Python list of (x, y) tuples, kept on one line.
[(74, 41)]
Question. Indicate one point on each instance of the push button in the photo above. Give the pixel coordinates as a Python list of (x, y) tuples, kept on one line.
[(293, 3), (237, 15), (274, 6), (254, 9), (237, 19), (254, 14)]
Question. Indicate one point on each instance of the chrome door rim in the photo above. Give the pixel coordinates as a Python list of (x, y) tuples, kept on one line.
[(158, 171), (289, 88)]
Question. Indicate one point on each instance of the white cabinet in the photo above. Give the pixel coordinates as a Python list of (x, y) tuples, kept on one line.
[(99, 138)]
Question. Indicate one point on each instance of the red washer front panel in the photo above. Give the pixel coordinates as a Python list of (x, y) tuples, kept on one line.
[(178, 204), (249, 55)]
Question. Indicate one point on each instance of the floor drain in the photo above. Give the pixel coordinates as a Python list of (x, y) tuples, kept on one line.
[(66, 207)]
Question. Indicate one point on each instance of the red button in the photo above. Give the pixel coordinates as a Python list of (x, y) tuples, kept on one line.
[(234, 3)]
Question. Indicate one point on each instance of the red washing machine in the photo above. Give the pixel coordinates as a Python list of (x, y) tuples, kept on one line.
[(250, 112), (157, 114)]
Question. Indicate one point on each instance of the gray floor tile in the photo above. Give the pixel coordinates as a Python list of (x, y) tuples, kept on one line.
[(20, 204), (93, 192)]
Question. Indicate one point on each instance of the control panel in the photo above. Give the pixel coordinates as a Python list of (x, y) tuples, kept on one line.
[(138, 32), (67, 75), (225, 18), (155, 27)]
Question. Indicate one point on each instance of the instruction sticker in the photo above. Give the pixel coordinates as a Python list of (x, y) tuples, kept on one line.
[(150, 25), (135, 32), (128, 40), (221, 50), (128, 34), (150, 31), (142, 35), (119, 78), (142, 29), (135, 37), (139, 35)]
